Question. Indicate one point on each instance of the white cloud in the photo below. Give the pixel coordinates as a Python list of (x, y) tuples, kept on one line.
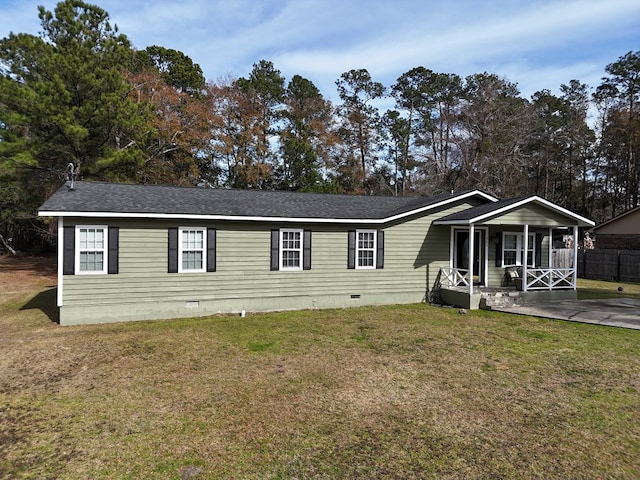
[(546, 38), (537, 44)]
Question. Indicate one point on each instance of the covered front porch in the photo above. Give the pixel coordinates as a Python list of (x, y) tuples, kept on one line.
[(519, 250)]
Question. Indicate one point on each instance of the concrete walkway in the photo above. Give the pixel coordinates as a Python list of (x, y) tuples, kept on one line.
[(613, 312)]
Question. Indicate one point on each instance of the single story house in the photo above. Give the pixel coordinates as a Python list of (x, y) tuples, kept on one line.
[(620, 233), (133, 252)]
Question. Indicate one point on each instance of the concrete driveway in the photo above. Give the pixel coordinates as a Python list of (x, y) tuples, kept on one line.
[(613, 312)]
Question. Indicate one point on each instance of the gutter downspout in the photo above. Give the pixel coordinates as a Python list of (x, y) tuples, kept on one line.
[(60, 260)]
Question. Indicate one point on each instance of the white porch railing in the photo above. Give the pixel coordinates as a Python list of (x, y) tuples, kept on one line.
[(537, 278), (454, 277), (550, 278)]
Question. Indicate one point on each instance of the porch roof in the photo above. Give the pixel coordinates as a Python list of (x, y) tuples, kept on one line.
[(487, 212)]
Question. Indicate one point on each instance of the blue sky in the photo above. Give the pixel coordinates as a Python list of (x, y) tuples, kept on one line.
[(537, 44)]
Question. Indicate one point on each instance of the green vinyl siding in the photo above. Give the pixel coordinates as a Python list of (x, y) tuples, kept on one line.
[(414, 251), (532, 214)]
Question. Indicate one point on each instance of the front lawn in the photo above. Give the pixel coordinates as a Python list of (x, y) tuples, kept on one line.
[(394, 392), (590, 289)]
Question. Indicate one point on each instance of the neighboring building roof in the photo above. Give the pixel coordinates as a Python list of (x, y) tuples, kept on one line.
[(624, 223), (489, 210), (98, 199)]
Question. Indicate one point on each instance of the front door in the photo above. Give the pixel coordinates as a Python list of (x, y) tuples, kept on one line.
[(461, 253)]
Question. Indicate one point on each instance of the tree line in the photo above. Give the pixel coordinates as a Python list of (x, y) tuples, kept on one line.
[(80, 93)]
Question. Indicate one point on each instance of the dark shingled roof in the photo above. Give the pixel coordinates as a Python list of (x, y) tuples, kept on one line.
[(99, 197)]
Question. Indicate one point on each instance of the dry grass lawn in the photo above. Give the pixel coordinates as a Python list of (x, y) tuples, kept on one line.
[(396, 392)]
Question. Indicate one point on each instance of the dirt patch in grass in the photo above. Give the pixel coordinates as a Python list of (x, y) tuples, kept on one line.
[(391, 392)]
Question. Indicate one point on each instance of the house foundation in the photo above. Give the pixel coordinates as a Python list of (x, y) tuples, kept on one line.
[(495, 298)]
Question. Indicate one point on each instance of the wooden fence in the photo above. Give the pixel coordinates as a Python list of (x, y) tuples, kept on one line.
[(616, 265)]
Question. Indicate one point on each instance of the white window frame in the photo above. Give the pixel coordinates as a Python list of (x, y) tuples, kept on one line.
[(181, 250), (104, 250), (519, 249), (282, 249), (373, 249)]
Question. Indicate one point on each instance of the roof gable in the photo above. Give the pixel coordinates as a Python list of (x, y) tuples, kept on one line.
[(485, 212), (99, 199), (627, 222)]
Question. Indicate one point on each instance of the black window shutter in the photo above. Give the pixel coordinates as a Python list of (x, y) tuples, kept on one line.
[(306, 250), (538, 259), (114, 247), (68, 249), (173, 251), (380, 250), (211, 249), (351, 247), (499, 250), (275, 248)]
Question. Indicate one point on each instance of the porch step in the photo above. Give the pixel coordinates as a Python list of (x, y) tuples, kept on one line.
[(493, 300)]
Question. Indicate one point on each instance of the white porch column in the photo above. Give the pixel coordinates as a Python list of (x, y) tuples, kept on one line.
[(550, 262), (472, 238), (575, 257), (525, 253), (550, 247)]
